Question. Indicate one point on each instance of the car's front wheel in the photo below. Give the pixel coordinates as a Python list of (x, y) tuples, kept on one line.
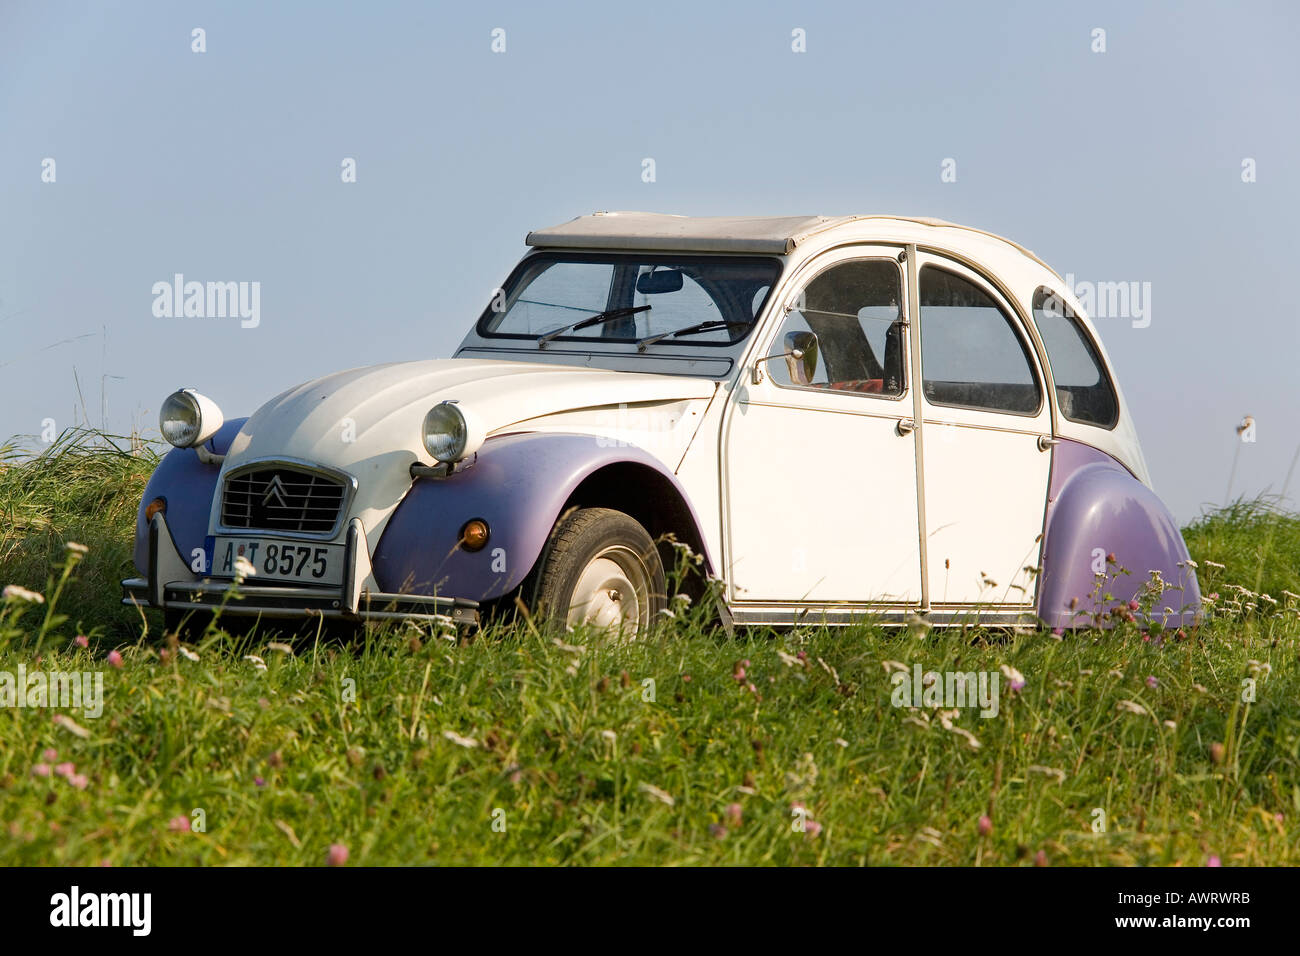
[(600, 569)]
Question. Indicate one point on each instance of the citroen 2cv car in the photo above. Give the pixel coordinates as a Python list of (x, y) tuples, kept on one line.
[(839, 417)]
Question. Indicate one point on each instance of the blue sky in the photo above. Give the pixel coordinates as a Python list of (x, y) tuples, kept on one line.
[(1117, 166)]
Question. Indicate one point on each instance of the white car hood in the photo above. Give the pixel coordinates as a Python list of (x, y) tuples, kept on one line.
[(366, 421)]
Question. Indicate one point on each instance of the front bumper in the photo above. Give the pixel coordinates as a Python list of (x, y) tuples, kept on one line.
[(171, 585)]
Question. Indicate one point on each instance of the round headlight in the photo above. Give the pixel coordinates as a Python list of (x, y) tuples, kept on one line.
[(188, 418), (450, 433)]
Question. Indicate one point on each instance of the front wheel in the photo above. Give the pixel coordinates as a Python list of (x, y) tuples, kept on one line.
[(600, 569)]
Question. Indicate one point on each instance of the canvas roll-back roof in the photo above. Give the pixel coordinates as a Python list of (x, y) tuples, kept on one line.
[(653, 231), (659, 232)]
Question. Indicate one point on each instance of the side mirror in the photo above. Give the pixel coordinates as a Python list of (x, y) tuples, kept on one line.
[(801, 356)]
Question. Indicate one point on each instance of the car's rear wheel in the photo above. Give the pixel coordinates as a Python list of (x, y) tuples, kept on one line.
[(600, 569)]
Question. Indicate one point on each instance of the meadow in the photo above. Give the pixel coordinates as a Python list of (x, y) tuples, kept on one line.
[(421, 745)]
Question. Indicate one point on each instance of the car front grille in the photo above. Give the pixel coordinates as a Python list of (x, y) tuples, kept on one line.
[(282, 498)]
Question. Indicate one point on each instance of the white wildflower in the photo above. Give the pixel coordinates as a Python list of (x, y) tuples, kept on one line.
[(71, 726), (13, 592), (789, 660), (970, 738), (931, 836), (656, 794), (243, 569), (1054, 772)]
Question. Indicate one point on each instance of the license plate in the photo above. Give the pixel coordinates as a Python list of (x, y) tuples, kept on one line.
[(273, 559)]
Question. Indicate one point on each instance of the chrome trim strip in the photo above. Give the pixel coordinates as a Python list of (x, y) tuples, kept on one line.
[(888, 616), (913, 345), (271, 601)]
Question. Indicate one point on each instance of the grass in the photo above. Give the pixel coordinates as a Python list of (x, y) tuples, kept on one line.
[(413, 745)]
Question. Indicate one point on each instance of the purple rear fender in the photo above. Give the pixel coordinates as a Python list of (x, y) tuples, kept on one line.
[(518, 484), (1095, 509), (187, 485)]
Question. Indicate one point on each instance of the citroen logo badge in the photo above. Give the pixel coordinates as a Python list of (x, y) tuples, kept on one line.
[(274, 493)]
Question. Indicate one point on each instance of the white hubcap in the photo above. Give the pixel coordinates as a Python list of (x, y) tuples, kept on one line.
[(612, 593)]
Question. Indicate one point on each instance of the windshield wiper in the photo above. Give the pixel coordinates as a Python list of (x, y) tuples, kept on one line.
[(709, 326), (591, 320)]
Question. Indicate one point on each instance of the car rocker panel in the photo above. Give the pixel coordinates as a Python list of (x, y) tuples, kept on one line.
[(717, 383)]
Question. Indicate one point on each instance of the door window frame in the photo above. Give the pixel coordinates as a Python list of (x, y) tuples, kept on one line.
[(957, 414), (783, 306)]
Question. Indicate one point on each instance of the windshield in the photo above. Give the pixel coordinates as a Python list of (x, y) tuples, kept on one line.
[(632, 298)]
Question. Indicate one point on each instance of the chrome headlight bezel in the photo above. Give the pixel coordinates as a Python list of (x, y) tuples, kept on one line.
[(451, 433), (187, 418)]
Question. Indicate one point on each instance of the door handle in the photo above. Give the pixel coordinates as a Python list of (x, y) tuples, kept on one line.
[(905, 426), (1046, 441)]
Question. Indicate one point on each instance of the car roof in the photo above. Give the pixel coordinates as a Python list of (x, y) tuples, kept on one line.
[(770, 235)]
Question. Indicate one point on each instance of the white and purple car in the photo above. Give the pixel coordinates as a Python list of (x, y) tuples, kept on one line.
[(840, 417)]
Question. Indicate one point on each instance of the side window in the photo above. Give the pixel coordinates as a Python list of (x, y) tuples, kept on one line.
[(854, 309), (971, 356), (1083, 391)]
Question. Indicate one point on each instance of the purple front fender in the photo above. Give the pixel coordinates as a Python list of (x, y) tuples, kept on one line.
[(518, 485), (1097, 509), (187, 485)]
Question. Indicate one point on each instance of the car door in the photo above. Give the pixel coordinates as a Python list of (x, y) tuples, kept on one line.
[(985, 441), (820, 479)]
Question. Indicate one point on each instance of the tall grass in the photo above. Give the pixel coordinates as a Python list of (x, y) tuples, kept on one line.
[(418, 744), (85, 487), (1256, 541)]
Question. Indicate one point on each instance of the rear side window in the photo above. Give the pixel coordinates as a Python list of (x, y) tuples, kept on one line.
[(1083, 390), (971, 356)]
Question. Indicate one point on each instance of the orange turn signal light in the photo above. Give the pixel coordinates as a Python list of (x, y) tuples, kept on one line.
[(474, 535), (154, 507)]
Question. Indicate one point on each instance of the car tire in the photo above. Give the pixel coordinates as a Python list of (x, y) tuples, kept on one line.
[(601, 569)]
